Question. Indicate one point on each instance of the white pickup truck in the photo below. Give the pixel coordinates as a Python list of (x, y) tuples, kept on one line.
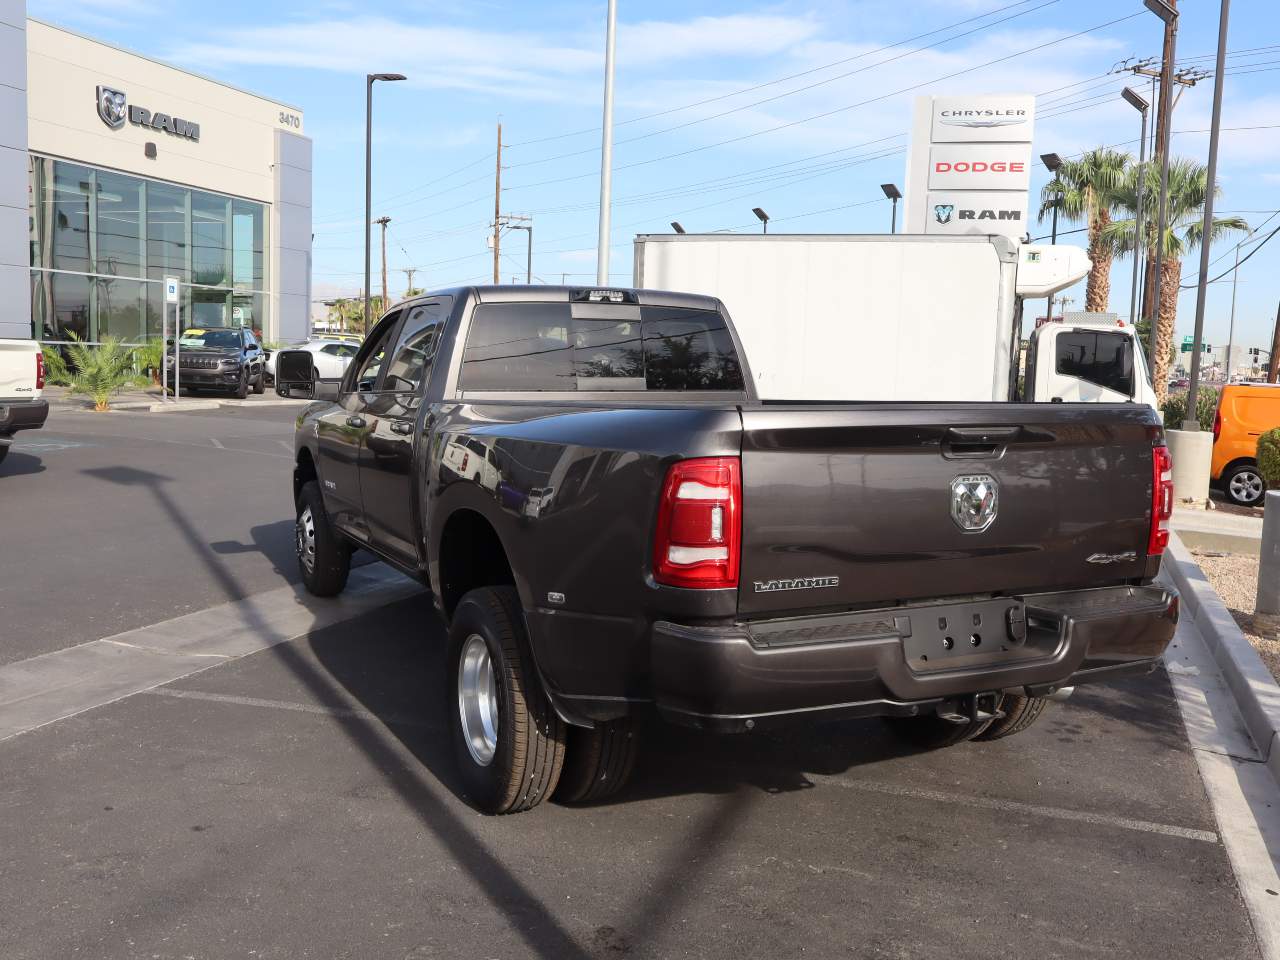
[(21, 383)]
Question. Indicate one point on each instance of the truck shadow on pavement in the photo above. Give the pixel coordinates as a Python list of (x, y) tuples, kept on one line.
[(21, 464)]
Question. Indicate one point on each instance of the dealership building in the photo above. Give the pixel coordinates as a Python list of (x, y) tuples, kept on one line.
[(117, 171)]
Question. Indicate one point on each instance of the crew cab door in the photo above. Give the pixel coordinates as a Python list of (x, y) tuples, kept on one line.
[(341, 430), (386, 460)]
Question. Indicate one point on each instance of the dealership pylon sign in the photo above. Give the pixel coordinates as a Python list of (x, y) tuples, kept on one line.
[(969, 165)]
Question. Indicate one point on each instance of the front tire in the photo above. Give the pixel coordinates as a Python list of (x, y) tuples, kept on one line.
[(325, 561), (508, 740), (1244, 486), (242, 389), (931, 732), (260, 384)]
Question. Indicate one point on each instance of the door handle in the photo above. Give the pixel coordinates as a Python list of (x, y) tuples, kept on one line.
[(402, 428), (356, 421)]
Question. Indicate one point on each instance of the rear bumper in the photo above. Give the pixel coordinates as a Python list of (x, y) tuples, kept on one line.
[(23, 414), (739, 677)]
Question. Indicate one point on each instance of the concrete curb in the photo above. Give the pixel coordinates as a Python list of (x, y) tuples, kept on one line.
[(1256, 693)]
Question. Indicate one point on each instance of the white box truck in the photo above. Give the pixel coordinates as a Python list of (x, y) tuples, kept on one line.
[(901, 317)]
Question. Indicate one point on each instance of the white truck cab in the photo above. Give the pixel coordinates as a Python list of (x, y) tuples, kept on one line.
[(1098, 362)]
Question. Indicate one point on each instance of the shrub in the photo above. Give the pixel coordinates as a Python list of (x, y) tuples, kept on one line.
[(1269, 458), (101, 371), (148, 358), (1175, 409), (55, 367)]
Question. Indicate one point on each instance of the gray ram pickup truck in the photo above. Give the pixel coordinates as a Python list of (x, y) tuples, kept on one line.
[(611, 522)]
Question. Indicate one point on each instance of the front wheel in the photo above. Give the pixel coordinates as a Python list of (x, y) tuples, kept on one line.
[(1244, 486), (260, 383), (325, 561), (598, 762), (1019, 713), (508, 740)]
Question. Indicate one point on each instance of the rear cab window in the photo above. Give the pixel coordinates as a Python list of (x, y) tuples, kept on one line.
[(562, 347)]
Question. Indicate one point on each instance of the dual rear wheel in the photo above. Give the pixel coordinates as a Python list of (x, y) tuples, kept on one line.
[(933, 732)]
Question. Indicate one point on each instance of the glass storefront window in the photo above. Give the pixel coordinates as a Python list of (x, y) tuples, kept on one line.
[(210, 248), (72, 185), (166, 231), (120, 309), (249, 245), (119, 225), (103, 242)]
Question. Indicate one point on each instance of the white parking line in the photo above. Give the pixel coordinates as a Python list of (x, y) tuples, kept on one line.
[(390, 719), (1014, 806), (217, 443)]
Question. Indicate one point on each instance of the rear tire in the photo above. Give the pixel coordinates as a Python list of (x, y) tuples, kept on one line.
[(323, 558), (4, 451), (508, 740), (1019, 713), (1243, 485), (931, 732), (598, 762)]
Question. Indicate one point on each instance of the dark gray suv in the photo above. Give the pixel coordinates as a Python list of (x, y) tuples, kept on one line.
[(227, 359)]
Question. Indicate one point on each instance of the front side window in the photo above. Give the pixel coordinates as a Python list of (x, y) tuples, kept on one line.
[(366, 377), (541, 347), (1105, 359), (411, 365)]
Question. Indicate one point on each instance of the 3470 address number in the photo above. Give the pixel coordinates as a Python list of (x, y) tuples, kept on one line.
[(290, 120)]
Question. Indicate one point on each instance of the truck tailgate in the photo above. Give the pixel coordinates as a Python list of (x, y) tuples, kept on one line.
[(852, 504), (18, 369)]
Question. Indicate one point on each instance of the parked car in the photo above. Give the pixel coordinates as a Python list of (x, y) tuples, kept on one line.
[(660, 538), (330, 357), (227, 359), (21, 384), (1245, 412)]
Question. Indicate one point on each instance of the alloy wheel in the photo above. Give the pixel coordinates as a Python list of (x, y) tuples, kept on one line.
[(478, 700)]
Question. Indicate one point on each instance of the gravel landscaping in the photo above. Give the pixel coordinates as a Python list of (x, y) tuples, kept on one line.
[(1235, 579)]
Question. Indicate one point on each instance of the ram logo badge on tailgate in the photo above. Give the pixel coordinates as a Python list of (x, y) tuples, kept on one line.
[(798, 583), (974, 501)]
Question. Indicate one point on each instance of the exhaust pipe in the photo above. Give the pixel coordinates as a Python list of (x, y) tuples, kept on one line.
[(1061, 694)]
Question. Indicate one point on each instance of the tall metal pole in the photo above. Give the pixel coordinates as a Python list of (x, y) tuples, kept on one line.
[(606, 151), (1215, 126), (368, 190), (1231, 329), (1139, 247), (1162, 144), (893, 217), (528, 262), (497, 208), (1274, 359), (1053, 233)]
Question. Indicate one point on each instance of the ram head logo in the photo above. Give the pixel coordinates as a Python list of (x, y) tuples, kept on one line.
[(942, 212), (974, 501), (111, 107)]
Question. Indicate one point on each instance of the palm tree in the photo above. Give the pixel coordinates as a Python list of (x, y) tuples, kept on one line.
[(1085, 189), (1184, 229)]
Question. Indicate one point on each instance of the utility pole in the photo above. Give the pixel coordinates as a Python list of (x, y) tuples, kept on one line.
[(1192, 422), (382, 222), (606, 150), (1275, 349), (497, 209), (408, 272)]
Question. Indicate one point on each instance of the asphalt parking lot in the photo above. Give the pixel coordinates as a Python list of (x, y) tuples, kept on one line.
[(300, 801)]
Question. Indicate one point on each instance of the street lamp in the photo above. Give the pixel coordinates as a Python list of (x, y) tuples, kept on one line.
[(675, 225), (1206, 231), (528, 228), (606, 149), (891, 192), (1168, 14), (1053, 163), (1140, 104), (762, 217), (368, 176)]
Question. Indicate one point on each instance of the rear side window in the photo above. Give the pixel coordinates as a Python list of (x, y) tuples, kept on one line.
[(536, 347), (1102, 358)]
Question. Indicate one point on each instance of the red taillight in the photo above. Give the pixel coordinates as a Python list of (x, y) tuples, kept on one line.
[(39, 370), (1161, 500), (1217, 424), (466, 458), (699, 533)]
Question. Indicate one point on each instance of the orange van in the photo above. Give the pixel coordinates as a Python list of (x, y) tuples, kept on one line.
[(1245, 412)]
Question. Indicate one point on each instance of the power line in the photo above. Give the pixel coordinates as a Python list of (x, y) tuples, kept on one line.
[(1237, 266)]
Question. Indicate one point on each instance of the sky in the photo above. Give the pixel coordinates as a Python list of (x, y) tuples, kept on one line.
[(801, 108)]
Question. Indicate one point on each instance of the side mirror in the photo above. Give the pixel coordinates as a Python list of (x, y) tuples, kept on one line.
[(295, 374)]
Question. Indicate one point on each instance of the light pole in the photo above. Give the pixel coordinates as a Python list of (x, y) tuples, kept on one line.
[(528, 267), (762, 217), (676, 226), (891, 192), (1231, 330), (1136, 101), (1169, 14), (369, 78), (1215, 125), (606, 150), (1053, 163)]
